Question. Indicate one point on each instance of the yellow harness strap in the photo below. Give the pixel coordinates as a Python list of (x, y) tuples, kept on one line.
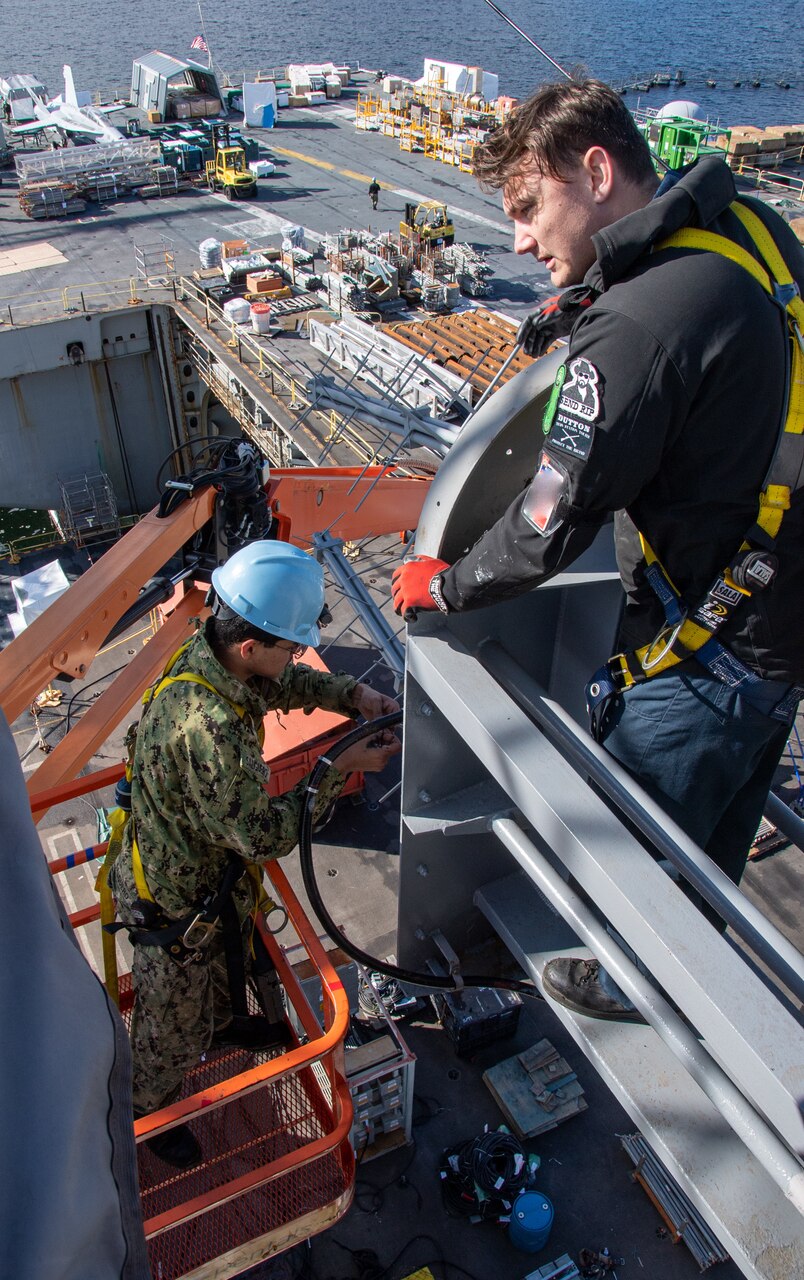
[(191, 678), (675, 643), (711, 242), (166, 680), (119, 818), (108, 946)]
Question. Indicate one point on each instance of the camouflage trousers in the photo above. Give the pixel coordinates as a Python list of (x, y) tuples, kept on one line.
[(175, 1013)]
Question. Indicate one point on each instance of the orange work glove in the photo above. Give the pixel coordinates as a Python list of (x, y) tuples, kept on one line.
[(410, 584)]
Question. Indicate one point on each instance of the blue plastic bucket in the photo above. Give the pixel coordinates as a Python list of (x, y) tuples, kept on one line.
[(531, 1221)]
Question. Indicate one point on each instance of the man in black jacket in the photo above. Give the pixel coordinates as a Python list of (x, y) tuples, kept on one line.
[(667, 412)]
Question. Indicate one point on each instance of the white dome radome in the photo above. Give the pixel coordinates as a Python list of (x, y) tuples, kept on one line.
[(681, 107)]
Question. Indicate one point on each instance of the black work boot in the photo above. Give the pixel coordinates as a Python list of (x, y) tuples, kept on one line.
[(576, 985), (252, 1033), (177, 1146)]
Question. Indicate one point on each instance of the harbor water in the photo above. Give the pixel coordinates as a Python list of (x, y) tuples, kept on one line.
[(624, 44)]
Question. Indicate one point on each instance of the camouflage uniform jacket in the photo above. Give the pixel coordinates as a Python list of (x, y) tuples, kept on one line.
[(198, 778)]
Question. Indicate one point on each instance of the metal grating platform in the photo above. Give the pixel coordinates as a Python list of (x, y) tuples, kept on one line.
[(253, 1131)]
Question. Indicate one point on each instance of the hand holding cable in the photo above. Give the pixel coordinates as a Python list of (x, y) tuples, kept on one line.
[(430, 981), (371, 703), (412, 583), (370, 755)]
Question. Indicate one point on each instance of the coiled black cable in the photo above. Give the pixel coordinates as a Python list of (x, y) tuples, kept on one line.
[(481, 1178), (497, 1164), (216, 472), (370, 729)]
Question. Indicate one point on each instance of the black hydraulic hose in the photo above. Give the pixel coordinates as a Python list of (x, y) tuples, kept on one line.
[(155, 592), (370, 729)]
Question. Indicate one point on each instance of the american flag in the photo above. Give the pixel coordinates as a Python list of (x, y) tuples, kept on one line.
[(200, 43)]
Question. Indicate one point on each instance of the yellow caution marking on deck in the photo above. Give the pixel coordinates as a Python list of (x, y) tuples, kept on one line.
[(299, 155), (325, 164), (387, 186), (364, 177)]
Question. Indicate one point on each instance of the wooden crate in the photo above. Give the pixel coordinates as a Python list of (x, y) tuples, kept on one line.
[(234, 248), (535, 1090), (264, 282)]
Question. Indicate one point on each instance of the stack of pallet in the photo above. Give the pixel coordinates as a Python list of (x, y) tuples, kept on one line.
[(473, 344), (762, 148), (164, 182), (471, 268), (102, 187), (535, 1090), (50, 199)]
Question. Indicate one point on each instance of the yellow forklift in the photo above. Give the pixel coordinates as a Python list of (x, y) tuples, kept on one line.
[(228, 171), (426, 225)]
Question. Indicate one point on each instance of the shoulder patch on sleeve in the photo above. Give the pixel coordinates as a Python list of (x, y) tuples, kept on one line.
[(577, 409), (580, 394)]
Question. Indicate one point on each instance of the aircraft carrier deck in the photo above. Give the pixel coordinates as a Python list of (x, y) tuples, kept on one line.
[(323, 170)]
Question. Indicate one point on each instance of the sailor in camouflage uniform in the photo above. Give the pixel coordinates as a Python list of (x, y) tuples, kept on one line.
[(199, 804)]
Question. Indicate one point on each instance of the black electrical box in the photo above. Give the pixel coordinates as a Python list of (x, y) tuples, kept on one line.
[(477, 1016)]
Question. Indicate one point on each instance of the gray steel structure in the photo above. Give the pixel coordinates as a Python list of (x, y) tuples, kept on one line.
[(87, 393), (494, 752)]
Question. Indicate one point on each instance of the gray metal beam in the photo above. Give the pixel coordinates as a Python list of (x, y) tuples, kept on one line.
[(789, 823), (768, 942), (718, 1171), (756, 1040), (766, 1147)]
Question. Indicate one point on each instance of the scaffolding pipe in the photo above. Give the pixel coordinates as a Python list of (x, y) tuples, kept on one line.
[(349, 582), (326, 393)]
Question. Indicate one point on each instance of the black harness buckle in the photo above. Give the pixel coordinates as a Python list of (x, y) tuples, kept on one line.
[(755, 570)]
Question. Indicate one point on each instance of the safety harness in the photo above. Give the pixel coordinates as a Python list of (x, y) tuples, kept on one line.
[(186, 939), (693, 633)]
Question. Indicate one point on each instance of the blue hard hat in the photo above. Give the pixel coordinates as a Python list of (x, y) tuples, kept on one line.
[(276, 587)]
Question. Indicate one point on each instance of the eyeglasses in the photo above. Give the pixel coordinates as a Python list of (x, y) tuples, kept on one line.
[(295, 650)]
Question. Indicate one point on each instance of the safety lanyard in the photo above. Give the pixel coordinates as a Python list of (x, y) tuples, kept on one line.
[(692, 633), (120, 817)]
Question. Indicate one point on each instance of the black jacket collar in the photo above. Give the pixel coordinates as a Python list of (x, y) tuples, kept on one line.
[(701, 194)]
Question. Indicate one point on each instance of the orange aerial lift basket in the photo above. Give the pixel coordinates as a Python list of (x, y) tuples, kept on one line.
[(278, 1163), (273, 1125)]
